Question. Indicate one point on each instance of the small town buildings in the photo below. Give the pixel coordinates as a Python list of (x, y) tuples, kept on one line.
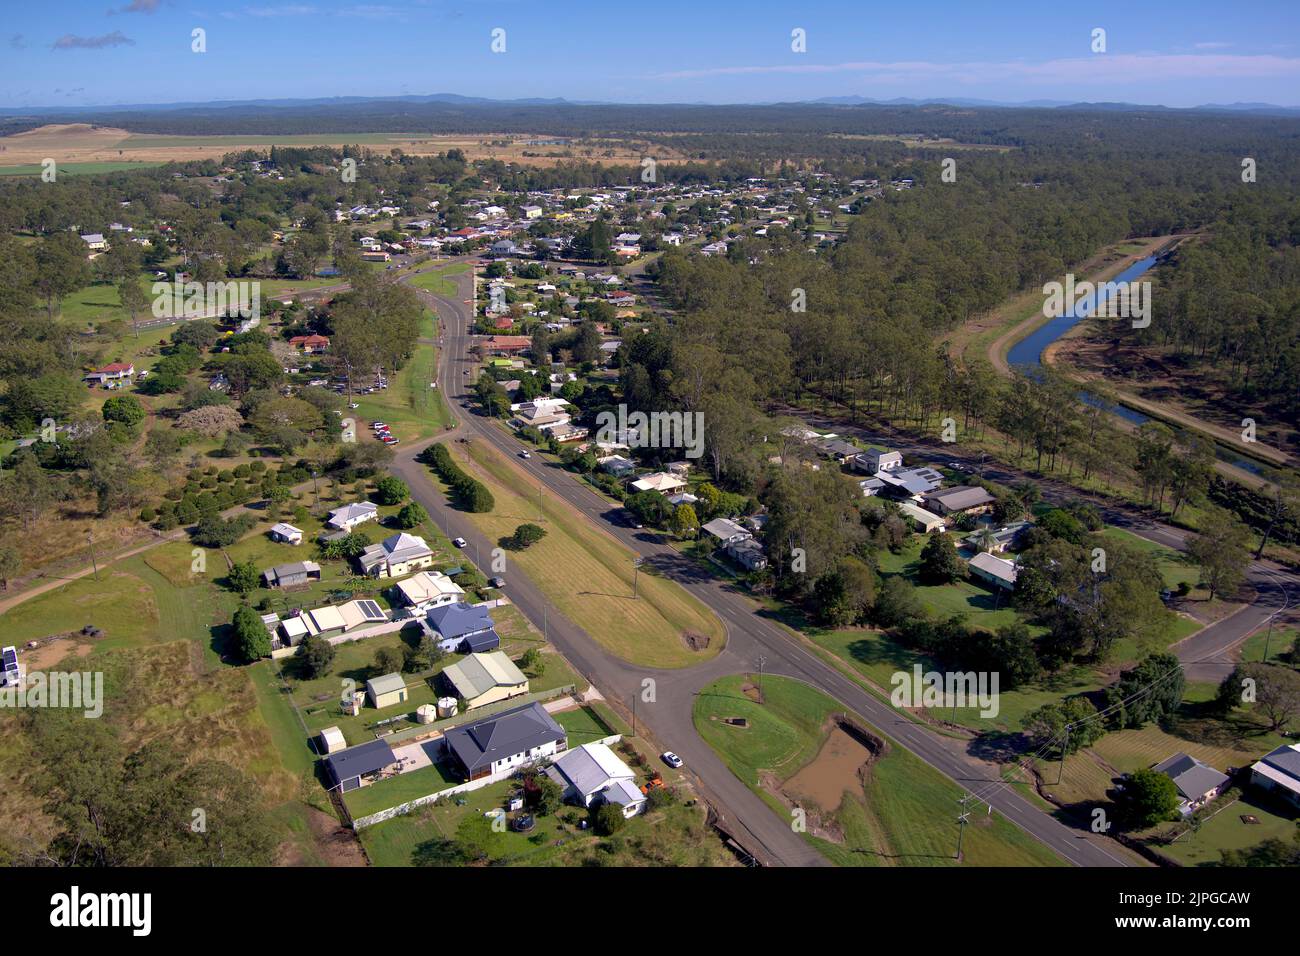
[(500, 744), (910, 482), (95, 241), (329, 621), (427, 589), (617, 465), (1278, 772), (467, 628), (360, 765), (396, 556), (286, 533), (386, 690), (1197, 783), (592, 775), (482, 679), (1000, 539), (989, 568), (352, 515), (748, 554), (294, 575), (376, 256)]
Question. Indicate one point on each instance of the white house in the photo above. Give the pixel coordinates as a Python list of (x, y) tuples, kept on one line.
[(660, 481), (878, 459), (996, 571), (396, 556), (286, 533), (352, 515), (592, 774), (428, 589), (1278, 771)]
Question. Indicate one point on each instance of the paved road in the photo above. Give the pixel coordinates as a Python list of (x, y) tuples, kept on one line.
[(751, 636)]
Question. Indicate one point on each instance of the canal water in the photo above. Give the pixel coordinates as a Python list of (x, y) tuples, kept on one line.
[(1027, 356)]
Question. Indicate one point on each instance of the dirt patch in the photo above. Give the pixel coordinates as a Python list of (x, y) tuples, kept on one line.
[(752, 692), (837, 769), (696, 642), (51, 652), (335, 844)]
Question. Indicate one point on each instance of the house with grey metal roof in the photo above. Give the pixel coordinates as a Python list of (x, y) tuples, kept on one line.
[(459, 623), (586, 772), (961, 499), (292, 575), (1279, 773), (396, 556), (500, 744), (1197, 783), (482, 679), (349, 516), (359, 765)]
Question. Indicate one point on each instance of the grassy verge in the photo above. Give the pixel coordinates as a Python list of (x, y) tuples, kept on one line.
[(894, 810)]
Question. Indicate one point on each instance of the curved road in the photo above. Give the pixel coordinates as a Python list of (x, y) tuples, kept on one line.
[(751, 636)]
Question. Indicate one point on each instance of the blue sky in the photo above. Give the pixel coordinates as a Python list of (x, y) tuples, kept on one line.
[(98, 52)]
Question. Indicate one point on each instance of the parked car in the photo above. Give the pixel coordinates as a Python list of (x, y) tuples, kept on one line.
[(671, 759), (498, 582), (459, 542)]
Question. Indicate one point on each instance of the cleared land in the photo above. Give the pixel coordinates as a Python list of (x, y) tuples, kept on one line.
[(80, 143)]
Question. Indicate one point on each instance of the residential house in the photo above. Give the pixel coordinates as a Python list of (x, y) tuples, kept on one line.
[(999, 572), (375, 255), (924, 521), (500, 744), (329, 621), (428, 589), (1000, 538), (482, 679), (95, 241), (295, 575), (594, 774), (661, 482), (962, 499), (1197, 783), (726, 531), (912, 483), (531, 212), (1278, 772), (113, 372), (748, 554), (286, 533), (360, 765), (878, 459), (310, 344), (386, 691), (617, 465), (396, 556), (467, 628), (350, 516)]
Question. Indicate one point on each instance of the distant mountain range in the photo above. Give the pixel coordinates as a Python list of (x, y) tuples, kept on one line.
[(456, 99)]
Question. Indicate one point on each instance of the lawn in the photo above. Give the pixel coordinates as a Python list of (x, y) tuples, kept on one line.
[(410, 405), (437, 281), (77, 169), (119, 603), (1174, 566), (1225, 830), (594, 588), (895, 810), (981, 607), (398, 790), (676, 835), (583, 725)]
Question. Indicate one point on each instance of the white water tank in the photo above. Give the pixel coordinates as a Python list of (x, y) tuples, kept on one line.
[(424, 714), (446, 706)]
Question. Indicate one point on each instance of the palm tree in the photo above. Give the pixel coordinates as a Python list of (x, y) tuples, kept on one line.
[(986, 539)]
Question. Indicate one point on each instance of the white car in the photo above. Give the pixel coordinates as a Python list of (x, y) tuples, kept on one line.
[(524, 454), (459, 542), (671, 759)]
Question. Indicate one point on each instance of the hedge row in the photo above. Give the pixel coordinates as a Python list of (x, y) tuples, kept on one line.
[(473, 494)]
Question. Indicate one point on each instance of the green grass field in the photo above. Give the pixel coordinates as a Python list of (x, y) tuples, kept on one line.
[(595, 587), (900, 814), (1226, 830)]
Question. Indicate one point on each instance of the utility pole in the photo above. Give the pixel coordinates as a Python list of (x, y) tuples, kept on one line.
[(90, 543), (636, 571), (961, 822), (1065, 750), (1267, 637), (634, 714), (540, 516), (762, 662)]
